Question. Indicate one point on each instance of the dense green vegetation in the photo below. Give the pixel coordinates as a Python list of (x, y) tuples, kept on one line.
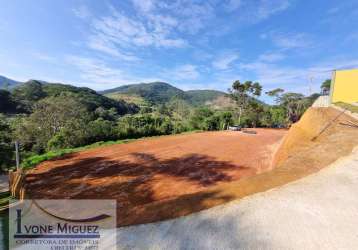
[(50, 120), (129, 98), (26, 95), (155, 92), (6, 149), (200, 97)]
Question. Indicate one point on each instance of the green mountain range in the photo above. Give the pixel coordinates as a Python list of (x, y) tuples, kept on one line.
[(23, 97), (125, 99), (161, 92)]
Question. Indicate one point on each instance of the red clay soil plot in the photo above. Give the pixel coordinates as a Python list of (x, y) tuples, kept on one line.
[(158, 169)]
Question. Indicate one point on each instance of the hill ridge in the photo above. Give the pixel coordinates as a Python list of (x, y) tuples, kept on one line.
[(161, 92)]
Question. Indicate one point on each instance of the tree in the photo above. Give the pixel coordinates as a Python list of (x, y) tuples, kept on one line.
[(212, 123), (226, 119), (107, 114), (198, 117), (276, 93), (326, 86), (27, 94), (50, 116), (243, 92), (179, 111), (295, 105), (6, 147), (256, 111), (7, 105)]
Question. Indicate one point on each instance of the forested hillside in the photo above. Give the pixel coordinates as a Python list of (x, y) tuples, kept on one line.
[(161, 93), (155, 92), (201, 97), (22, 99)]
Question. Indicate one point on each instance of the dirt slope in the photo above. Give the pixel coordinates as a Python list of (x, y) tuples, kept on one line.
[(317, 126)]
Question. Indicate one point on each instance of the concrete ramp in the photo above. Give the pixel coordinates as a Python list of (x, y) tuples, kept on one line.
[(321, 102)]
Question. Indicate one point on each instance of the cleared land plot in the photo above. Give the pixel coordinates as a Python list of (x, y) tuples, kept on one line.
[(154, 171)]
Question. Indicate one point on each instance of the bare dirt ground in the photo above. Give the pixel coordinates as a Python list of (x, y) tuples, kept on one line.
[(147, 172)]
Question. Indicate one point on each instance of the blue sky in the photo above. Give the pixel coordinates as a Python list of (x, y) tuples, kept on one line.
[(191, 44)]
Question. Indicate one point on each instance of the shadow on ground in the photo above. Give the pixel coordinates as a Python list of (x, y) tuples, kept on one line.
[(138, 184)]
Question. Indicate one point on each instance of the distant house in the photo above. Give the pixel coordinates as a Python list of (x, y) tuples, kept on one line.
[(344, 86)]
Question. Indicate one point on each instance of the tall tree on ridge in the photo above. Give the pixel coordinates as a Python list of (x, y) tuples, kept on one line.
[(243, 92)]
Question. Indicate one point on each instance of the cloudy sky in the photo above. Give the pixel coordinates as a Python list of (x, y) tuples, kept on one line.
[(293, 44)]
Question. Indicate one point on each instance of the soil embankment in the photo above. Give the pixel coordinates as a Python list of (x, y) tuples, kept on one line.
[(323, 134)]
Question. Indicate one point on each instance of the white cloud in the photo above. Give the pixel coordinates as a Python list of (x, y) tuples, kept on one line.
[(126, 32), (101, 44), (98, 75), (257, 11), (305, 79), (267, 8), (270, 74), (288, 40), (193, 16), (82, 12), (202, 55), (224, 79), (182, 72), (94, 70), (44, 57), (232, 5), (224, 61), (271, 57), (124, 36), (143, 5)]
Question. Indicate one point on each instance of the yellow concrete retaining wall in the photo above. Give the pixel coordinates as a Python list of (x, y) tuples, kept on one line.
[(345, 86)]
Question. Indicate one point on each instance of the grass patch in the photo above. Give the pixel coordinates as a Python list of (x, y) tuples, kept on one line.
[(350, 107), (36, 159)]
